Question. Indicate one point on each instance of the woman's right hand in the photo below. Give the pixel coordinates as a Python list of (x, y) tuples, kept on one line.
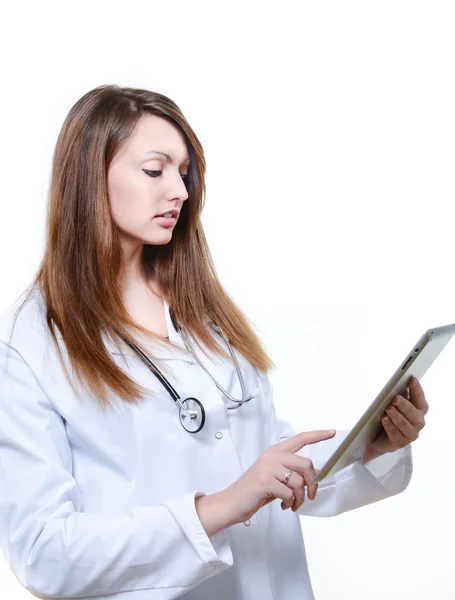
[(263, 481)]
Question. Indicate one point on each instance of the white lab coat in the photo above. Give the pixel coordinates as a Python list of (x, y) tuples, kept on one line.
[(101, 505)]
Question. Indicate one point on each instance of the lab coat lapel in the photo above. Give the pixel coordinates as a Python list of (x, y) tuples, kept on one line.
[(159, 351)]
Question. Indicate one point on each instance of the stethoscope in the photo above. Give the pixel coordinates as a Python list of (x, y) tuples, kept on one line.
[(191, 411)]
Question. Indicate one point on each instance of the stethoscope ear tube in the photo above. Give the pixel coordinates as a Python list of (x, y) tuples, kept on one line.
[(244, 399)]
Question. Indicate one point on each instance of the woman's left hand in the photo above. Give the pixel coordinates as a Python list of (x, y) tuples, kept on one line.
[(404, 421)]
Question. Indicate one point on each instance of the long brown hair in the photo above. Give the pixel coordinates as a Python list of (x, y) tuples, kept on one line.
[(79, 273)]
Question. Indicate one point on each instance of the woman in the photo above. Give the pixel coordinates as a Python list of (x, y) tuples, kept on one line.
[(107, 488)]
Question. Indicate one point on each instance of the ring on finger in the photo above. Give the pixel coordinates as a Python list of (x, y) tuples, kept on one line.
[(287, 477)]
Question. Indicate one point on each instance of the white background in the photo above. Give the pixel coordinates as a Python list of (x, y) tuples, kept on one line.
[(329, 133)]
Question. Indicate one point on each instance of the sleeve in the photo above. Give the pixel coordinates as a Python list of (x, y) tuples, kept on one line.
[(354, 486), (54, 548)]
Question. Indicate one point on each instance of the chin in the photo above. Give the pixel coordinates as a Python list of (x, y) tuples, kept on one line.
[(158, 241)]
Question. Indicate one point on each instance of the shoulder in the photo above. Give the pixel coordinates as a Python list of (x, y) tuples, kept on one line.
[(23, 324)]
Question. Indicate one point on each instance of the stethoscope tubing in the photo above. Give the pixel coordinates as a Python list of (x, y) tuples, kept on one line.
[(156, 371), (239, 372), (192, 407)]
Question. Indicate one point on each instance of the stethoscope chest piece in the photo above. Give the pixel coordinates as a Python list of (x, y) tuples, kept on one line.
[(192, 415)]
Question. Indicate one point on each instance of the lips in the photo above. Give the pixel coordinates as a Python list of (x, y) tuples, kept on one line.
[(172, 212)]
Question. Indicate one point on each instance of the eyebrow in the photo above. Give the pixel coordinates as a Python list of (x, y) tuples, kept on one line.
[(167, 156)]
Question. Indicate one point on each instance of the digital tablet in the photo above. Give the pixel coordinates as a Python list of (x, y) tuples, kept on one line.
[(417, 362)]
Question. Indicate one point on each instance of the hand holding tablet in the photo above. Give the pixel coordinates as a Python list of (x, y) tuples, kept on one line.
[(370, 437), (404, 420)]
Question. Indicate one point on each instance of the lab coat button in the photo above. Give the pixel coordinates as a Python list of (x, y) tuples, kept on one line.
[(218, 435), (247, 523), (189, 362)]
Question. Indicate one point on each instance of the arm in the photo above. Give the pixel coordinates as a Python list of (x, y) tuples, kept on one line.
[(52, 546)]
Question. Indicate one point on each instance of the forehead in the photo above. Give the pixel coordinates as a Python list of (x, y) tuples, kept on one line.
[(153, 132)]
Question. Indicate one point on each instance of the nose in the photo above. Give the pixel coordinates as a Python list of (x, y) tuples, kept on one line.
[(179, 189)]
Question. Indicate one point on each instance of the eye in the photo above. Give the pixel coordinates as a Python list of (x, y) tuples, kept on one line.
[(157, 173), (152, 173)]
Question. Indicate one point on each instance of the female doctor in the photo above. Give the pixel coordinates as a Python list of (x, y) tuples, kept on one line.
[(140, 454)]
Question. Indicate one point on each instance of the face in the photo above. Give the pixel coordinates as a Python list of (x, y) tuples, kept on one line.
[(143, 184)]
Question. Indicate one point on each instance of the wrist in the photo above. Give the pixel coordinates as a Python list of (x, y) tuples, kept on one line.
[(372, 455), (215, 512)]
